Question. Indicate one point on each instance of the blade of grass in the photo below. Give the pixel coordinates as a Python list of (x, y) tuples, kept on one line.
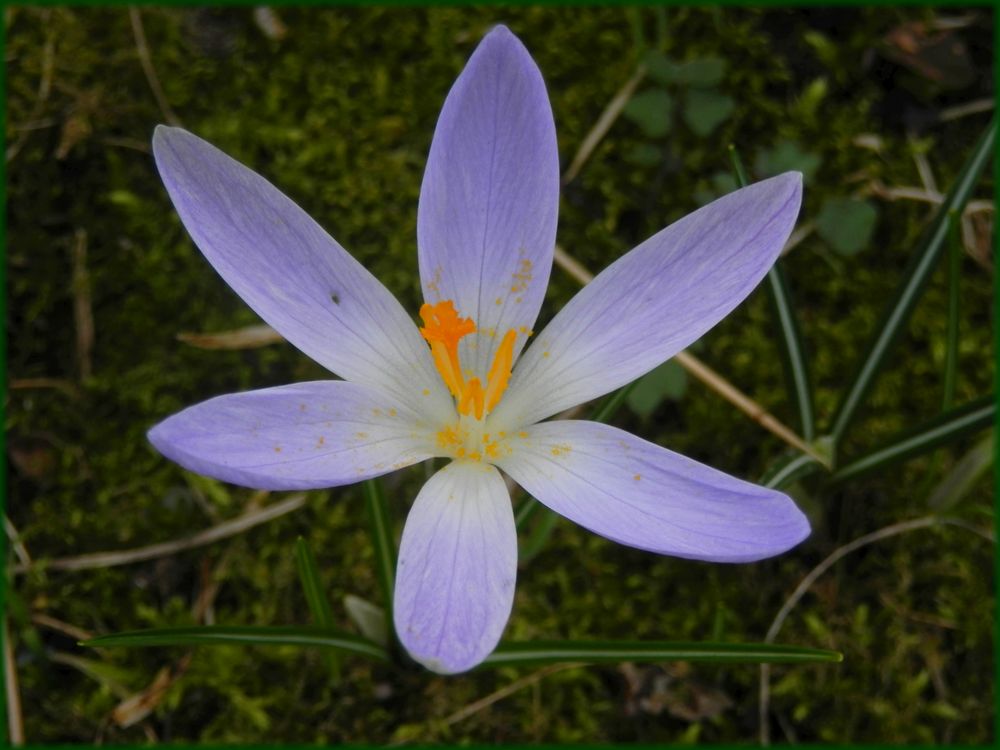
[(319, 605), (790, 469), (951, 335), (974, 416), (603, 652), (792, 350), (914, 279), (383, 544), (244, 635)]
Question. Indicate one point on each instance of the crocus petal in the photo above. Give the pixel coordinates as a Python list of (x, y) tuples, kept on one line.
[(457, 565), (648, 305), (488, 205), (309, 435), (293, 274), (637, 493)]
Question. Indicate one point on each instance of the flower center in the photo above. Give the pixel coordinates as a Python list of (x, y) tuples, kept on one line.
[(443, 329)]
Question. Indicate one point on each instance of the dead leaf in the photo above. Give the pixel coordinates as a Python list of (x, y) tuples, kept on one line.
[(251, 337)]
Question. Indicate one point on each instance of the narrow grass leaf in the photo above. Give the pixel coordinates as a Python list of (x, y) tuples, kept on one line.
[(914, 280), (789, 469), (793, 353), (244, 635), (382, 542), (602, 652), (945, 428), (951, 332), (964, 475), (319, 605)]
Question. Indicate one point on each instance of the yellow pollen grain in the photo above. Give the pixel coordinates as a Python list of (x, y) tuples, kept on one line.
[(320, 441), (546, 354), (392, 412), (360, 435), (475, 456), (427, 391), (277, 449), (499, 300), (376, 412), (637, 477), (522, 434)]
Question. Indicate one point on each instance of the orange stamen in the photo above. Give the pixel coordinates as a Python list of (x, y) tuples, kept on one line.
[(443, 329), (496, 382)]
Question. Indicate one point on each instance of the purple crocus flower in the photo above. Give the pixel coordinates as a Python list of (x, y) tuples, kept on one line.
[(459, 387)]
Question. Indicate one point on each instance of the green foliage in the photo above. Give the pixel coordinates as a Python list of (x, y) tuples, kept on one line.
[(847, 224)]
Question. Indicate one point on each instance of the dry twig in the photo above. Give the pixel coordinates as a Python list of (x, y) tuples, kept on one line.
[(708, 376), (142, 48), (603, 124), (213, 534), (83, 313), (807, 582), (15, 724), (44, 88)]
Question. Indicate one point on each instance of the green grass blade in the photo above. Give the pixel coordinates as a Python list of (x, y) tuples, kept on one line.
[(383, 543), (951, 334), (244, 635), (603, 652), (790, 469), (957, 483), (793, 353), (319, 605), (975, 416), (914, 279)]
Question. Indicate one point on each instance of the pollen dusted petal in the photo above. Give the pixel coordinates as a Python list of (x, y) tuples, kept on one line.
[(489, 201), (292, 273), (308, 435), (654, 301), (457, 567), (637, 493)]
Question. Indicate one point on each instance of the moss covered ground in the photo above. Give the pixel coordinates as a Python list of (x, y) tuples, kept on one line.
[(338, 109)]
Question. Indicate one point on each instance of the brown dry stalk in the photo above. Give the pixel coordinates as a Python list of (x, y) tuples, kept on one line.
[(814, 574), (15, 724), (83, 313), (489, 700), (708, 376), (142, 48), (603, 124), (44, 88), (213, 534)]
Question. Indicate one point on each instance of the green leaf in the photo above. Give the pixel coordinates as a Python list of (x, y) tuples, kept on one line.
[(597, 652), (704, 111), (793, 353), (964, 475), (945, 428), (370, 619), (651, 110), (847, 224), (951, 332), (244, 635), (668, 381), (789, 469), (702, 73), (319, 605), (382, 542), (659, 67), (914, 279), (644, 155), (784, 157)]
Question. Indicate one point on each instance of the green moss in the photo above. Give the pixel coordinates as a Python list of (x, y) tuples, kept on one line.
[(339, 114)]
